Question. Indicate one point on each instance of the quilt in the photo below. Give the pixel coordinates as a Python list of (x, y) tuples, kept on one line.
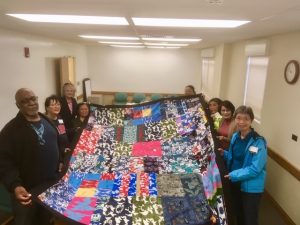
[(146, 164)]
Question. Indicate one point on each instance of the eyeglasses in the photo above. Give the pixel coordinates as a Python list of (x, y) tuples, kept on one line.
[(27, 100)]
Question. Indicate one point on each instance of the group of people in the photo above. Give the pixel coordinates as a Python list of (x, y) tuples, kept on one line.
[(244, 153), (34, 147)]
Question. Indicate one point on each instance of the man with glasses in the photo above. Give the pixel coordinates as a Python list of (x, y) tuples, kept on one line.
[(29, 158)]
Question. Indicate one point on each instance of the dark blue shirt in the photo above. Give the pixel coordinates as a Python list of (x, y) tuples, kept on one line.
[(239, 150), (48, 150)]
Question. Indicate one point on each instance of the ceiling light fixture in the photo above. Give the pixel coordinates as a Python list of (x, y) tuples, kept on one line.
[(108, 37), (196, 23), (100, 20), (127, 46), (119, 43), (173, 39), (165, 44)]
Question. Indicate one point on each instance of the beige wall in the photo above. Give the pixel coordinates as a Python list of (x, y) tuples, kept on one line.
[(37, 72), (279, 115), (143, 70)]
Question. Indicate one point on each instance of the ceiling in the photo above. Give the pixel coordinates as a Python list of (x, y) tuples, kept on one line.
[(268, 17)]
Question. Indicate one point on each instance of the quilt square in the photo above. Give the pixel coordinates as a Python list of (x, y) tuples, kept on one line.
[(192, 185), (137, 114), (130, 134), (153, 131), (185, 124), (117, 211), (151, 164), (168, 129), (81, 209), (147, 210), (122, 149), (89, 184), (151, 148), (105, 188), (169, 185), (85, 192), (185, 210), (136, 164), (147, 112)]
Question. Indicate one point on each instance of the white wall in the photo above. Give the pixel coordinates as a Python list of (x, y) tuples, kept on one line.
[(37, 72), (280, 114), (143, 70)]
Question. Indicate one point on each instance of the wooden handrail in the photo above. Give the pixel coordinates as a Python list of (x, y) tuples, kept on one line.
[(284, 163)]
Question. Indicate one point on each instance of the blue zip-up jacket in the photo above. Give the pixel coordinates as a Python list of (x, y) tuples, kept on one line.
[(252, 175)]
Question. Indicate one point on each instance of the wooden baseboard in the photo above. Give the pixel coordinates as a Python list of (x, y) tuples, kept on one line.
[(279, 209)]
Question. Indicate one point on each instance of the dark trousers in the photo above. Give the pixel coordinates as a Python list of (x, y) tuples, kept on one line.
[(33, 214), (236, 194), (251, 206)]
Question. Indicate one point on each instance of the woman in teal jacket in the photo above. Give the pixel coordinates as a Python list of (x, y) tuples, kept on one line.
[(246, 161)]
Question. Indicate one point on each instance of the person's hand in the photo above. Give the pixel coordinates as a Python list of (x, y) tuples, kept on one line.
[(221, 150), (227, 176), (67, 150), (60, 167), (22, 195)]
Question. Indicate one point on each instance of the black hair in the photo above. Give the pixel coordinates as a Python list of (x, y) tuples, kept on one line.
[(218, 101), (228, 105), (78, 108), (192, 87), (244, 110), (48, 100)]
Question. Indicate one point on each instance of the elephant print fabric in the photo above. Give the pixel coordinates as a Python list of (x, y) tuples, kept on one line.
[(145, 164)]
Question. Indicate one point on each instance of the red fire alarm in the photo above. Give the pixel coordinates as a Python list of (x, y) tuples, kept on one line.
[(26, 52)]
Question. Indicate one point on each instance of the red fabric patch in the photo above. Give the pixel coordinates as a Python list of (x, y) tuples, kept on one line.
[(87, 142), (137, 114), (144, 184), (108, 176), (124, 185), (150, 148), (89, 183)]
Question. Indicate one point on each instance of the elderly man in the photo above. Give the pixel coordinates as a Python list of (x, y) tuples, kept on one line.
[(29, 157)]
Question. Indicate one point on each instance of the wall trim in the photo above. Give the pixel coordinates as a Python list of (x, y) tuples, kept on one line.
[(284, 163), (132, 93), (279, 209)]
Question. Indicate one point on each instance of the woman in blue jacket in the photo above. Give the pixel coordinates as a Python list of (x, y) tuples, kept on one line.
[(246, 161)]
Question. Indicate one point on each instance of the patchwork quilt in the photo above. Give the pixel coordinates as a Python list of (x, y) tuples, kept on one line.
[(146, 164)]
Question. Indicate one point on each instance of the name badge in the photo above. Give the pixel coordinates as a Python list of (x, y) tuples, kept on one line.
[(60, 121), (253, 149)]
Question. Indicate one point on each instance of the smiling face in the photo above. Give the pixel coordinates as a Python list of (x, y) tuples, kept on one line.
[(69, 91), (27, 102), (213, 107), (83, 111), (226, 113), (243, 122), (53, 108)]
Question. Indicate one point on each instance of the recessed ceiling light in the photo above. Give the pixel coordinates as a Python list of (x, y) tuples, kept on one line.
[(108, 37), (160, 22), (172, 39), (165, 44), (173, 47), (155, 47), (127, 46), (71, 19), (119, 43), (163, 47)]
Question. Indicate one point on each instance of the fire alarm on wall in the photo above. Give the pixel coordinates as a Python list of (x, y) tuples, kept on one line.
[(26, 52)]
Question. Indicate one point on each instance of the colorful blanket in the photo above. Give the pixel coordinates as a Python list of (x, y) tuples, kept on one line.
[(147, 164)]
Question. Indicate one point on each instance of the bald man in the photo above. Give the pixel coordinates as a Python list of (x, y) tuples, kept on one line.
[(29, 157)]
